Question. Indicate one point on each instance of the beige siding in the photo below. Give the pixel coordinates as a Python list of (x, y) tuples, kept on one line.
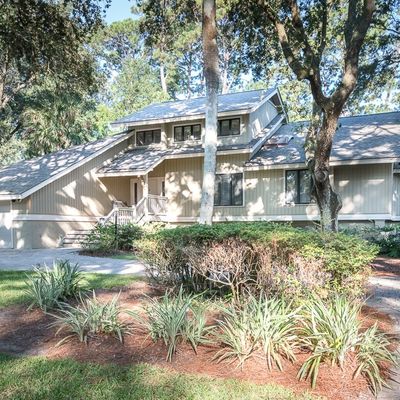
[(396, 195), (79, 192), (365, 189), (260, 118), (39, 234), (5, 225)]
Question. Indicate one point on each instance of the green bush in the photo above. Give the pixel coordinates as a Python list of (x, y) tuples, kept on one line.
[(174, 319), (387, 238), (90, 317), (46, 286), (106, 239), (283, 259)]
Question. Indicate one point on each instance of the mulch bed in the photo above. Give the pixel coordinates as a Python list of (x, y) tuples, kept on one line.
[(28, 333)]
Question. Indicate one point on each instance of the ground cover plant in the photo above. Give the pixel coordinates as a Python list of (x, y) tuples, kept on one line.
[(174, 319), (88, 318), (109, 239), (13, 284), (47, 286), (278, 259)]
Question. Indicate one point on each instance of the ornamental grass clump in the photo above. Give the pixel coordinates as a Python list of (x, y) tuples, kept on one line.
[(260, 325), (331, 331), (90, 318), (47, 286), (174, 319)]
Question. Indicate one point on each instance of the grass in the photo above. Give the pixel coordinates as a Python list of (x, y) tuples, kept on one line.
[(124, 256), (12, 284), (36, 378)]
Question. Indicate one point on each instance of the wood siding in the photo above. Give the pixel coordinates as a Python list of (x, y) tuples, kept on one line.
[(260, 118), (79, 192), (396, 195), (365, 189)]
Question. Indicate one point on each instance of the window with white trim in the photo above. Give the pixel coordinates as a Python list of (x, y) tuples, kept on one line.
[(144, 138), (298, 186), (228, 190), (187, 132), (229, 127)]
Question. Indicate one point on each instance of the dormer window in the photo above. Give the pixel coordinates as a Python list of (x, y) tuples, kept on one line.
[(187, 132), (229, 127), (145, 138)]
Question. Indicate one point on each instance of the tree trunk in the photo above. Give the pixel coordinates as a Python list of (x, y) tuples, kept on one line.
[(163, 79), (211, 74), (328, 201)]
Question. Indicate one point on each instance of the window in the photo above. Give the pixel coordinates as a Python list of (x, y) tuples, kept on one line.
[(298, 186), (144, 138), (188, 132), (229, 127), (228, 190)]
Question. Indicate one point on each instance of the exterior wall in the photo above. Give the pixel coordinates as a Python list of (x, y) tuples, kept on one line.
[(5, 225), (260, 118), (44, 234), (365, 189), (366, 192), (79, 192), (396, 195)]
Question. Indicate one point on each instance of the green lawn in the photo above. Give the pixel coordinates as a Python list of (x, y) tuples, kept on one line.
[(38, 378), (12, 284)]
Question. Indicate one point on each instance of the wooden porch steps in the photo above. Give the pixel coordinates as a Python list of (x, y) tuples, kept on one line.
[(74, 238)]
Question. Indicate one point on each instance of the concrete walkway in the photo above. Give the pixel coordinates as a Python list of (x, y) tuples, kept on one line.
[(26, 259), (386, 298)]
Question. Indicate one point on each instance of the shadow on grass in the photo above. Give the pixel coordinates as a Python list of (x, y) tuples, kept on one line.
[(39, 378)]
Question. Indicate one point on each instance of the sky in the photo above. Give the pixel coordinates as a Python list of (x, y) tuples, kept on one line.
[(119, 9)]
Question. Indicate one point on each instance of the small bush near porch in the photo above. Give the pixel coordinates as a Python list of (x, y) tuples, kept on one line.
[(277, 259)]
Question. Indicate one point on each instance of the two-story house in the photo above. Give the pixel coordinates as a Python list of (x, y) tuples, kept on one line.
[(153, 171)]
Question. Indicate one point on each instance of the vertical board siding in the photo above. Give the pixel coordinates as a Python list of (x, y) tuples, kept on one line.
[(5, 225), (365, 189), (79, 192), (260, 118), (396, 195)]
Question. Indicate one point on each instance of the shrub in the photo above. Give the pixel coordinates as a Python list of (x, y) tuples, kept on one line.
[(280, 259), (48, 286), (261, 324), (387, 238), (90, 317), (174, 319), (332, 332), (107, 239)]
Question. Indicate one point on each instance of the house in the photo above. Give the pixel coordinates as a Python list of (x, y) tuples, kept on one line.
[(153, 171)]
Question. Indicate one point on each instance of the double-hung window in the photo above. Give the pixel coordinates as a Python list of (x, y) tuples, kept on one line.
[(228, 190), (298, 186), (187, 132), (144, 138), (229, 127)]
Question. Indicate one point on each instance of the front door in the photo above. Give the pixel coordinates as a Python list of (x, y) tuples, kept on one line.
[(136, 191)]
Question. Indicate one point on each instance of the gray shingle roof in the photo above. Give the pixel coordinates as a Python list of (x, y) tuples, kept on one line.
[(25, 175), (135, 161), (375, 136), (191, 107)]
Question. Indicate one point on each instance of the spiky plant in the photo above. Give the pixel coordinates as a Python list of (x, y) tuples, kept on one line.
[(90, 317), (262, 324), (173, 319), (331, 330)]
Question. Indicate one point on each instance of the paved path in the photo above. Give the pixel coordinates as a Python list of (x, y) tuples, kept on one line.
[(26, 259), (385, 289)]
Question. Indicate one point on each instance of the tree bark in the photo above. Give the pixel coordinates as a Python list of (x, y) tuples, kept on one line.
[(163, 79), (211, 74)]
